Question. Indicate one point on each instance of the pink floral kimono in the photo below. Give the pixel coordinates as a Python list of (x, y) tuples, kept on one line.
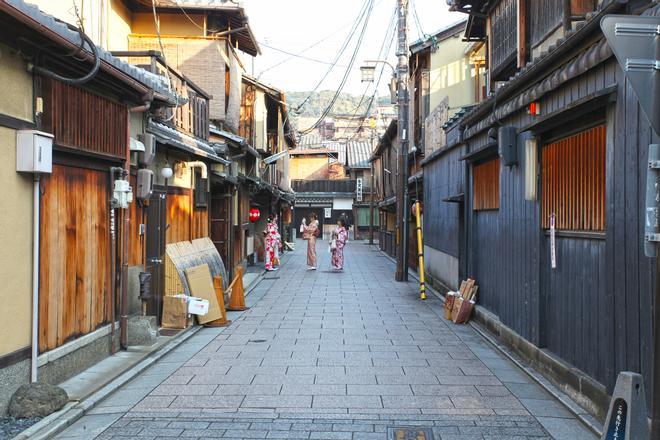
[(340, 235), (310, 233), (271, 242)]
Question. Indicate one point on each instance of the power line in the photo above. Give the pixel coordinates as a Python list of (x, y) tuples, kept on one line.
[(367, 6), (346, 74), (382, 54), (418, 23), (294, 55), (382, 69)]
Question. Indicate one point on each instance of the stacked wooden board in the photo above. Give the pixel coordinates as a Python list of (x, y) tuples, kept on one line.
[(459, 305), (184, 255)]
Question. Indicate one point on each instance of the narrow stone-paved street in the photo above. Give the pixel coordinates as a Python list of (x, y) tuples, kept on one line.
[(323, 355)]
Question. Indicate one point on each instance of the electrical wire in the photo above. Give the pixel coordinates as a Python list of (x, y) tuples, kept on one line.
[(418, 23), (294, 55), (83, 39), (298, 55), (367, 6), (348, 71), (382, 54)]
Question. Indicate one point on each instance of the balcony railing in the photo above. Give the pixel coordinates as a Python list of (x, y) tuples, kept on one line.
[(191, 117)]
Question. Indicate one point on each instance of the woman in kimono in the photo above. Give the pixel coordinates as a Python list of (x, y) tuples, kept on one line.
[(270, 242), (277, 244), (310, 232), (339, 237)]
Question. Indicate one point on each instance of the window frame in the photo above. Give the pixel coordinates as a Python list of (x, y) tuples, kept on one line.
[(480, 170)]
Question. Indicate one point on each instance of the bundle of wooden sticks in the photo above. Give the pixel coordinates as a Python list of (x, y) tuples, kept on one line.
[(459, 305)]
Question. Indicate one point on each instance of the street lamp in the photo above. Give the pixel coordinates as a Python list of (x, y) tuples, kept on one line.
[(368, 71)]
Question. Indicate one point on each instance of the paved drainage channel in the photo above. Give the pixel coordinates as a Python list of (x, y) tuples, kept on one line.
[(409, 433)]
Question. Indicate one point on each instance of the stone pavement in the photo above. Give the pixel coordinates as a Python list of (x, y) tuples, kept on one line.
[(323, 355)]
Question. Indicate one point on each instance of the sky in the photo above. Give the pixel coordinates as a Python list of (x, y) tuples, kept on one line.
[(295, 25)]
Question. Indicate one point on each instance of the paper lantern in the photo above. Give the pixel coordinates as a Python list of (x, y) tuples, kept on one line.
[(254, 215)]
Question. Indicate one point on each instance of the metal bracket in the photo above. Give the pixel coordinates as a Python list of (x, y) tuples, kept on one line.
[(652, 237), (641, 65), (654, 164), (632, 29)]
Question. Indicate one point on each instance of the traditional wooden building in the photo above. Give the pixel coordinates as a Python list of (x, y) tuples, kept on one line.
[(551, 227), (384, 159), (85, 99)]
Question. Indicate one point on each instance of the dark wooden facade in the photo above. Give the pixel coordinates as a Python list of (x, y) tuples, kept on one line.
[(592, 312)]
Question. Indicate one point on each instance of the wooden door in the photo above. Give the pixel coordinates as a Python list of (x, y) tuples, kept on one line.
[(220, 224), (75, 295), (155, 250)]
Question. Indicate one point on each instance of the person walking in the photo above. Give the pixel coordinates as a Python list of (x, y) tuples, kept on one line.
[(339, 237), (270, 243), (310, 232)]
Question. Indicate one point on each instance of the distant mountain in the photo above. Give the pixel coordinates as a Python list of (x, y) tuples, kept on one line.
[(318, 101)]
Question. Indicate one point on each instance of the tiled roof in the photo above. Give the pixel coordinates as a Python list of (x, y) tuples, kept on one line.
[(150, 80), (184, 142), (358, 154)]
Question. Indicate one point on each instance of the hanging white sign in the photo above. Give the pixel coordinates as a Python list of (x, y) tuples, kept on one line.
[(553, 254)]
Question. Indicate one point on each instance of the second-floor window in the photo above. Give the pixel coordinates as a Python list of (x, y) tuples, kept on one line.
[(504, 25), (486, 185)]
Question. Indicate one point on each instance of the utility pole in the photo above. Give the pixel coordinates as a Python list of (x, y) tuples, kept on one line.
[(402, 124), (373, 191)]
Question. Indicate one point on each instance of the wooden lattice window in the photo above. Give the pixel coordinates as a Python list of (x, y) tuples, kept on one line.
[(82, 120), (486, 184), (504, 24), (573, 181)]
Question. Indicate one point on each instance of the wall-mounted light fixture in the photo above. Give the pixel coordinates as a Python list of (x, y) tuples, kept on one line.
[(166, 171), (531, 168)]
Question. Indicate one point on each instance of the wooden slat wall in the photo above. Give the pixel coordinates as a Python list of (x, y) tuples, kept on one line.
[(74, 294), (200, 223), (82, 120), (508, 253), (573, 181), (486, 185), (179, 212), (184, 222), (543, 16), (443, 178), (504, 21)]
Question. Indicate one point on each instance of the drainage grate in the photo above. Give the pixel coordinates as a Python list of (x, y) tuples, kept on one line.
[(270, 278), (256, 341), (409, 433)]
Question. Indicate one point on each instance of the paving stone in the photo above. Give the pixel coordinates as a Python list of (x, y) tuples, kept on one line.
[(345, 356)]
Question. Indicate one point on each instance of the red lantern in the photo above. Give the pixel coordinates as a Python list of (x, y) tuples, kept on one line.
[(414, 209), (255, 214)]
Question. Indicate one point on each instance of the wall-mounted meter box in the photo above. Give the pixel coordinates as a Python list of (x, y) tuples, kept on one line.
[(34, 151)]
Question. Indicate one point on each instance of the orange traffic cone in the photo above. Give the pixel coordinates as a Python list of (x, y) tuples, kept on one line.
[(237, 294), (222, 321)]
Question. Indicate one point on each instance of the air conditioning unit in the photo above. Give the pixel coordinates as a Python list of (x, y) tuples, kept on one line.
[(146, 157)]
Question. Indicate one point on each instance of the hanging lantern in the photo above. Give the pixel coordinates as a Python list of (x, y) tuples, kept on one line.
[(414, 210), (255, 214)]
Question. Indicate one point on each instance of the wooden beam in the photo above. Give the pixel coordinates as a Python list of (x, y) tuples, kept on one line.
[(15, 123)]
